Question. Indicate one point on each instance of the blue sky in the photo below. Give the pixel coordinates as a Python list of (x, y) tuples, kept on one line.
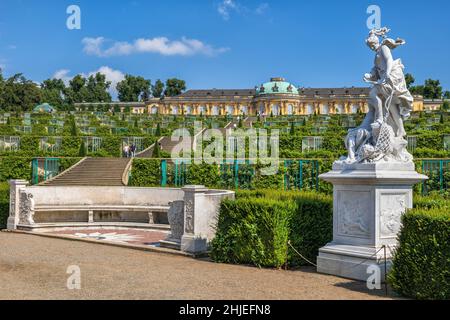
[(220, 43)]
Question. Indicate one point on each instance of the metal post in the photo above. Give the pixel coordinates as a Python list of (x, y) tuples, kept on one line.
[(300, 169), (163, 173), (176, 173), (236, 174)]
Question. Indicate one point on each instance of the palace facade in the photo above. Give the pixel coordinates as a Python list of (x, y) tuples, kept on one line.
[(276, 97)]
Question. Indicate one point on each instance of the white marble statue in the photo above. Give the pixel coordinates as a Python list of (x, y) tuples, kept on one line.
[(380, 137)]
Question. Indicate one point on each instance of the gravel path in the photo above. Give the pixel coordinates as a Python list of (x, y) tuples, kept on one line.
[(33, 267)]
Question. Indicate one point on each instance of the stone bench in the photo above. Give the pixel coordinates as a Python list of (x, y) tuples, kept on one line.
[(192, 210), (152, 214)]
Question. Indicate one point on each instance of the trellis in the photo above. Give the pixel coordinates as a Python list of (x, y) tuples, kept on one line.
[(23, 129), (44, 169), (92, 144), (412, 143), (47, 146), (9, 143), (311, 143), (301, 174), (138, 142), (438, 172), (447, 142)]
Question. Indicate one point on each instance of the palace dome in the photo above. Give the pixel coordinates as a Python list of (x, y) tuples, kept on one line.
[(276, 86)]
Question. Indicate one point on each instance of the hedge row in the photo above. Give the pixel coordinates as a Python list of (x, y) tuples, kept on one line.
[(421, 264), (4, 204), (111, 146), (255, 228)]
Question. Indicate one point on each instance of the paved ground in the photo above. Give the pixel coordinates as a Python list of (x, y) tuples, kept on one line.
[(33, 267), (132, 236)]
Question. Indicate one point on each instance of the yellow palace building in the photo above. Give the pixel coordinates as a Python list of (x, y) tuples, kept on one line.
[(276, 97)]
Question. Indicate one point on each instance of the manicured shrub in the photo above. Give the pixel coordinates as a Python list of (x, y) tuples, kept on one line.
[(311, 226), (307, 219), (15, 168), (4, 204), (203, 174), (82, 150), (421, 264), (145, 173), (252, 231)]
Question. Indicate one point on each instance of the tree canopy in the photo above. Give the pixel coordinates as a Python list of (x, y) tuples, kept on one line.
[(134, 89), (174, 87)]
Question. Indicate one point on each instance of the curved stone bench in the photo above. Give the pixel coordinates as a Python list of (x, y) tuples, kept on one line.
[(194, 209)]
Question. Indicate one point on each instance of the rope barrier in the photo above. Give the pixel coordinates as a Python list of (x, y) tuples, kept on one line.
[(369, 258), (289, 243)]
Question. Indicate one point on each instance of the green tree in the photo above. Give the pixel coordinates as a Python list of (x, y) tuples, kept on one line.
[(19, 94), (158, 130), (445, 106), (53, 92), (174, 87), (82, 150), (158, 89), (133, 89), (97, 88), (156, 150), (73, 127), (292, 131), (409, 80), (76, 90), (432, 89), (446, 95)]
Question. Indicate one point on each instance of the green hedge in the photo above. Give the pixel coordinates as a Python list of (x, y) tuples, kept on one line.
[(253, 231), (15, 168), (421, 264), (145, 173), (4, 204), (247, 233)]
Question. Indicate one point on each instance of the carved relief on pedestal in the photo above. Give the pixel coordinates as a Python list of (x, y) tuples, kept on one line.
[(353, 213), (26, 208), (392, 206), (189, 216), (176, 220), (12, 202)]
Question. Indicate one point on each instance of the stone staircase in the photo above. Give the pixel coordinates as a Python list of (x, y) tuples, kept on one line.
[(93, 172)]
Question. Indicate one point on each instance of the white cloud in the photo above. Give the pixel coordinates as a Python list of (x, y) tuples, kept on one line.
[(62, 74), (115, 76), (159, 45), (262, 8), (92, 45), (225, 8)]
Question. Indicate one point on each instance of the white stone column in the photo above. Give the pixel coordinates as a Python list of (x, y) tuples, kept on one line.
[(14, 202), (368, 202), (194, 239)]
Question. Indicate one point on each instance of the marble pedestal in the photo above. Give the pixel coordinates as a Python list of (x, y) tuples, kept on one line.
[(368, 202)]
